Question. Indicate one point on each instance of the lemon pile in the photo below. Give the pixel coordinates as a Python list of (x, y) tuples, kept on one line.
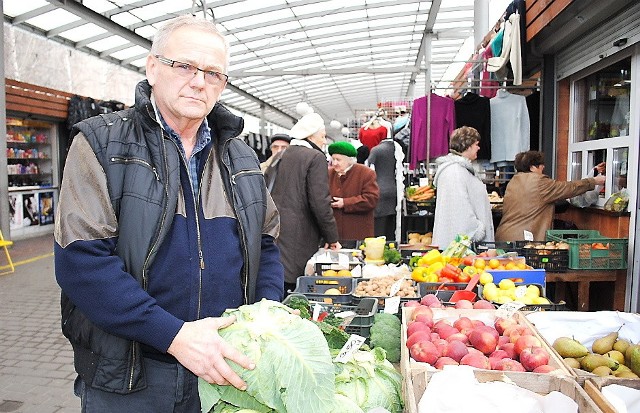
[(506, 291)]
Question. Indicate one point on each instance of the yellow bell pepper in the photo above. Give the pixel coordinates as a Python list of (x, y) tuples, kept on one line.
[(419, 274), (432, 277), (432, 257), (435, 267)]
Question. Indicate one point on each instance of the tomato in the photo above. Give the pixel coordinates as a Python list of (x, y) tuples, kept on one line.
[(442, 279), (464, 277), (468, 260)]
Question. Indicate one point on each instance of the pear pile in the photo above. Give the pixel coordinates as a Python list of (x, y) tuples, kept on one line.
[(609, 356)]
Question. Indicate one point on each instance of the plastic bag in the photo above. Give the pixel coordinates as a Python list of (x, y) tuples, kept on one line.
[(618, 201)]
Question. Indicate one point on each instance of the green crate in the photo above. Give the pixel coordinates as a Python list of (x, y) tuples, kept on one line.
[(582, 255)]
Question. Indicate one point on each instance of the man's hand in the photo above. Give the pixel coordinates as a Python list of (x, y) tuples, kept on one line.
[(199, 347), (600, 179)]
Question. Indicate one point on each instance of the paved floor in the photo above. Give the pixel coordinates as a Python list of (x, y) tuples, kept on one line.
[(36, 362)]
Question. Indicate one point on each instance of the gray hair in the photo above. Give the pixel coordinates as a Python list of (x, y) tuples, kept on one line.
[(161, 38)]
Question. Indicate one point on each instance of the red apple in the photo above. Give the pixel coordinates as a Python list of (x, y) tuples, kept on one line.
[(421, 310), (441, 346), (444, 361), (417, 337), (533, 357), (477, 323), (544, 369), (446, 330), (458, 337), (503, 340), (489, 329), (464, 304), (463, 323), (425, 318), (417, 326), (507, 364), (456, 350), (526, 341), (483, 340), (412, 303), (510, 349), (501, 324), (483, 305), (424, 351), (429, 299), (476, 360)]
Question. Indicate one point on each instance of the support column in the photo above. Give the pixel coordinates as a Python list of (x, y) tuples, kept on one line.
[(480, 20), (4, 178)]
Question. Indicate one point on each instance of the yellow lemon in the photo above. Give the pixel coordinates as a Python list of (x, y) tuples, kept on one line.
[(333, 291), (486, 278), (490, 295), (330, 273), (479, 263), (541, 301), (503, 299), (344, 273), (521, 266), (510, 265), (494, 263), (506, 284), (533, 290)]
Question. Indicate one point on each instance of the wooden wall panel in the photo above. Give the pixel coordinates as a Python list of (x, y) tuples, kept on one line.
[(541, 12), (37, 100), (562, 127)]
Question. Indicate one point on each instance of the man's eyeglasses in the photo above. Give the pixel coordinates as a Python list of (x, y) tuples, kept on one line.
[(185, 70)]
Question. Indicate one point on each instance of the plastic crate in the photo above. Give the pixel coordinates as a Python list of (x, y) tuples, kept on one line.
[(507, 246), (314, 288), (551, 260), (324, 266), (561, 306), (365, 309), (583, 255), (380, 299)]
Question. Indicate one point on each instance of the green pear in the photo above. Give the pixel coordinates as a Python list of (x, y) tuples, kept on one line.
[(634, 359), (604, 344), (627, 353), (616, 355), (602, 371), (627, 375), (568, 347), (622, 369), (591, 361), (571, 362), (621, 345)]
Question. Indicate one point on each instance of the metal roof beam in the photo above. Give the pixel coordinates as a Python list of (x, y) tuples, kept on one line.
[(426, 36), (341, 71), (85, 13), (31, 14)]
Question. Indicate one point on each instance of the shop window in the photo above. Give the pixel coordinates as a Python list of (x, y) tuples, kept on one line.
[(601, 127)]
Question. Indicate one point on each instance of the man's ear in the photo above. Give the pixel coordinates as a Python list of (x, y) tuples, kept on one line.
[(151, 68)]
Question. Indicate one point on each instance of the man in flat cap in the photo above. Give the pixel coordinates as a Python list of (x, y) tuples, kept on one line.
[(279, 142), (298, 180)]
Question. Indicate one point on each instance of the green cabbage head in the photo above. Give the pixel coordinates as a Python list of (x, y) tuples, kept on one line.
[(294, 372)]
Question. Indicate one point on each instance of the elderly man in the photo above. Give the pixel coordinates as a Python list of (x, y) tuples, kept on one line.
[(354, 192), (279, 142), (299, 187), (163, 223)]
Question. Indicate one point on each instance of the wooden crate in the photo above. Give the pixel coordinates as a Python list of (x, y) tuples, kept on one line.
[(593, 387), (539, 383), (411, 368)]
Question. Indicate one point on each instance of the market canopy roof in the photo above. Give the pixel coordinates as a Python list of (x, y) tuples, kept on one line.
[(341, 57)]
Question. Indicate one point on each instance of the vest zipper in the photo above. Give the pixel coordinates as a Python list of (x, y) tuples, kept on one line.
[(153, 247), (120, 159), (245, 274)]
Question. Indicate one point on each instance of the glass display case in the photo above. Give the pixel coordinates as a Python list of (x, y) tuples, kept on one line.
[(32, 175)]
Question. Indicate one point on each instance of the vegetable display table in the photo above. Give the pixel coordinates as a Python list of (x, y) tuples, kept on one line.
[(584, 278)]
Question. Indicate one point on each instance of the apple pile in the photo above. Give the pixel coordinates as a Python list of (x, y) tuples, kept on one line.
[(506, 346)]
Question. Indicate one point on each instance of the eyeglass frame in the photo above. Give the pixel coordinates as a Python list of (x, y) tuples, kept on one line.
[(217, 76)]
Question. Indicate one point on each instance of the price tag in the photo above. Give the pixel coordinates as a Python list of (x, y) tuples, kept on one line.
[(391, 305), (528, 236), (346, 316), (351, 346), (508, 310), (396, 287), (521, 290), (343, 261), (316, 312)]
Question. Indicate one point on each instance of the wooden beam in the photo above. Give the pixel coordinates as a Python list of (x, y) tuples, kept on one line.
[(542, 13)]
